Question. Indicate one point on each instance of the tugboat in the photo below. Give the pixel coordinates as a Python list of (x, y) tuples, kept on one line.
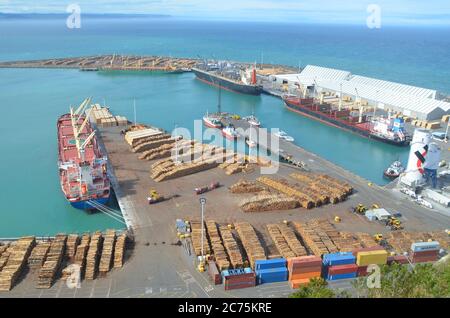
[(212, 121), (394, 170), (230, 132), (252, 120)]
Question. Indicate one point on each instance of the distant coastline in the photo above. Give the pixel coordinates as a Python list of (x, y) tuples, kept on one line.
[(91, 15)]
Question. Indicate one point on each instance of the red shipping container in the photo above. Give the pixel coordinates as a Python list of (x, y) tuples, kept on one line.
[(425, 253), (303, 261), (214, 273), (306, 269), (362, 271), (239, 286), (342, 269), (425, 259), (400, 259), (367, 249), (239, 278)]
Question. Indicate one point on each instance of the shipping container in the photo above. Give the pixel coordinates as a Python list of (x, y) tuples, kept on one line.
[(399, 259), (303, 261), (367, 249), (341, 276), (378, 257), (271, 275), (424, 246), (214, 273), (299, 269), (425, 253), (298, 283), (239, 286), (342, 269), (270, 263), (362, 271), (309, 275), (340, 258)]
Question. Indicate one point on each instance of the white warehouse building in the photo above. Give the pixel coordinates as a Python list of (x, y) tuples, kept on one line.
[(415, 102)]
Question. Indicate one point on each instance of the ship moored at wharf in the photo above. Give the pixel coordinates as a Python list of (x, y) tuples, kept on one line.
[(382, 129), (232, 77), (82, 165)]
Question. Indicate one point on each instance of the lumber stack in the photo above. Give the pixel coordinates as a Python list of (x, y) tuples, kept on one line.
[(244, 186), (366, 239), (196, 237), (38, 255), (93, 256), (279, 241), (167, 140), (218, 250), (48, 271), (347, 242), (284, 187), (107, 252), (6, 251), (17, 259), (166, 150), (133, 137), (231, 247), (71, 245), (269, 202), (315, 238), (291, 239), (81, 252), (251, 243), (119, 250)]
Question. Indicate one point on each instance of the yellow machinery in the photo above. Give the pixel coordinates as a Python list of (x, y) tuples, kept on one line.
[(394, 223), (378, 237), (154, 197), (375, 206), (337, 219), (360, 209)]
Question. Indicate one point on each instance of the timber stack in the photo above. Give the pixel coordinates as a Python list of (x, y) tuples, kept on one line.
[(93, 256), (38, 255), (251, 242), (16, 262), (196, 236), (218, 250), (107, 252), (119, 250), (231, 247), (48, 271)]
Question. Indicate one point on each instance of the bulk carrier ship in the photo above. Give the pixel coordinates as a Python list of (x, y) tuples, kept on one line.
[(232, 77), (82, 165), (384, 130)]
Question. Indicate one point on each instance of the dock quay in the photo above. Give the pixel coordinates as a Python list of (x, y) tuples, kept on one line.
[(162, 266)]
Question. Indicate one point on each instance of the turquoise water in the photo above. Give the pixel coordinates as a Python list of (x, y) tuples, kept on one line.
[(31, 100)]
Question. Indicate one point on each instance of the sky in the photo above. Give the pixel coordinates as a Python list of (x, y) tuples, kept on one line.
[(400, 12)]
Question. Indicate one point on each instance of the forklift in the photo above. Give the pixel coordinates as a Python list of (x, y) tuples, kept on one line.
[(359, 209), (394, 224), (154, 197)]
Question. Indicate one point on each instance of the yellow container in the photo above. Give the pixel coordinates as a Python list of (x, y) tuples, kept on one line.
[(372, 257)]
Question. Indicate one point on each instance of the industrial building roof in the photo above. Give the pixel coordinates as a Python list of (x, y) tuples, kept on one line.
[(407, 97)]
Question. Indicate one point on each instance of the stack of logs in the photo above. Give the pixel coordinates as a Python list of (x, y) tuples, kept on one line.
[(196, 235), (71, 246), (220, 256), (269, 202), (244, 186), (231, 247), (18, 255), (119, 250), (291, 239), (250, 241), (93, 256), (315, 238), (55, 255), (38, 255), (107, 253)]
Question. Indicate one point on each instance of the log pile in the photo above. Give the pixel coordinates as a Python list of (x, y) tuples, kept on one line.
[(17, 259), (315, 238), (244, 186), (291, 239), (107, 252), (366, 239), (93, 256), (231, 247), (48, 271), (71, 246), (250, 241), (284, 187), (269, 202), (38, 255), (347, 242), (196, 236), (81, 253), (166, 150), (4, 255), (279, 241), (218, 250), (170, 171), (168, 140), (136, 136), (119, 250)]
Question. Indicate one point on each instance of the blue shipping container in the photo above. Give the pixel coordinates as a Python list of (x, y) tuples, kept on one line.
[(270, 263), (342, 276), (272, 275), (425, 246), (338, 259), (239, 271)]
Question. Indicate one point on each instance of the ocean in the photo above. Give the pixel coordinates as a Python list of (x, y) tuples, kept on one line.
[(32, 99)]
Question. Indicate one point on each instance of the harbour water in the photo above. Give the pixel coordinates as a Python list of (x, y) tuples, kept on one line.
[(31, 100)]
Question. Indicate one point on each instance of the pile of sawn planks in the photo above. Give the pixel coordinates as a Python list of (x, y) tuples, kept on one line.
[(251, 242)]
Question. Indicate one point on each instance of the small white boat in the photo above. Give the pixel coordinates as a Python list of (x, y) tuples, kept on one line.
[(253, 121), (282, 134), (394, 170), (230, 132), (212, 121)]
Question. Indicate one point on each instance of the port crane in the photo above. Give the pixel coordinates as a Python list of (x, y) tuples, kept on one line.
[(77, 130)]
